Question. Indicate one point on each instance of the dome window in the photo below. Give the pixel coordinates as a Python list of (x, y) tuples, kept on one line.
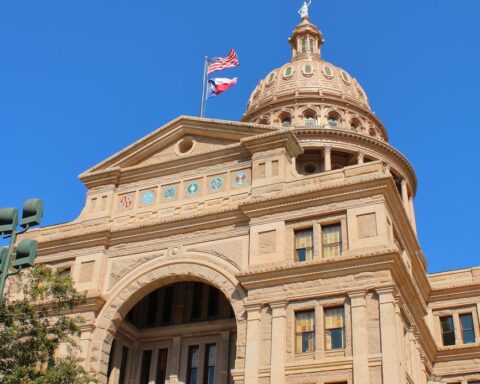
[(310, 119), (307, 69), (371, 132), (345, 77), (333, 120), (271, 78), (355, 125), (286, 121), (288, 72), (327, 71)]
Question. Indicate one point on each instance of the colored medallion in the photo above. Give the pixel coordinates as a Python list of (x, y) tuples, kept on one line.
[(169, 193), (240, 178), (147, 197), (126, 201), (216, 184), (192, 189)]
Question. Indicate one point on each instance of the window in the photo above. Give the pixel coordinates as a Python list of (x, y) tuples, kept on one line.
[(333, 120), (307, 69), (448, 332), (327, 71), (123, 366), (305, 331), (468, 333), (209, 370), (332, 240), (304, 45), (304, 245), (145, 368), (192, 365), (288, 72), (310, 120), (286, 121), (334, 328), (271, 78), (161, 366)]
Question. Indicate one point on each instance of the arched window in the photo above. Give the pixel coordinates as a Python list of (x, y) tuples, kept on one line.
[(285, 119), (355, 125), (310, 119), (333, 119)]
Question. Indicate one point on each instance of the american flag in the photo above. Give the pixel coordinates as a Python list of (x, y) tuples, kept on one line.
[(221, 63)]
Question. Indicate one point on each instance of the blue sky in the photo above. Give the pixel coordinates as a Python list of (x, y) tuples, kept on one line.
[(81, 79)]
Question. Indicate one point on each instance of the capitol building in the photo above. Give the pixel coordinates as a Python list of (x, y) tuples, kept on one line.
[(278, 249)]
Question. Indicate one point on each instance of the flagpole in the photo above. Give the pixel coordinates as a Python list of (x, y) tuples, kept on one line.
[(202, 107)]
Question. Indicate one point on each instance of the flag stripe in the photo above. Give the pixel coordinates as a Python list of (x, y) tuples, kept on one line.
[(221, 63)]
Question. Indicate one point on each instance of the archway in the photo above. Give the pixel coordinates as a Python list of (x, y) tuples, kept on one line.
[(139, 285)]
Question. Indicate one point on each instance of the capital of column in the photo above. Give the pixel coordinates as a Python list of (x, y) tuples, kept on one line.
[(253, 311), (386, 294), (279, 308), (327, 149), (386, 167), (360, 157), (358, 298)]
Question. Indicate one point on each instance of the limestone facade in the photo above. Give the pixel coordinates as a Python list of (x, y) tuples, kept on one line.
[(280, 249)]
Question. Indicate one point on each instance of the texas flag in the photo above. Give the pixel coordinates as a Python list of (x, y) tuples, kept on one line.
[(219, 85)]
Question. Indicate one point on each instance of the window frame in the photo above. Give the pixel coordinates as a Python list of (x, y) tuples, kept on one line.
[(297, 334), (295, 232), (338, 244), (325, 329), (441, 312)]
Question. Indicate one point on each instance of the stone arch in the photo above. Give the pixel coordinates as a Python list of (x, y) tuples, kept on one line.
[(146, 279)]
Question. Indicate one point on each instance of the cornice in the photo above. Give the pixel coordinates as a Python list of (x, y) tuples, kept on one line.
[(458, 291)]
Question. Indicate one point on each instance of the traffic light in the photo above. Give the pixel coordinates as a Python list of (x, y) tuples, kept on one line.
[(32, 213), (8, 220), (26, 254)]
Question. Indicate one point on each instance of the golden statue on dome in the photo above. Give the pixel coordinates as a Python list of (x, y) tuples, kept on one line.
[(303, 11)]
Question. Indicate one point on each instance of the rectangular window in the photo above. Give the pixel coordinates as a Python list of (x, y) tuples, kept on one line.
[(161, 366), (304, 45), (305, 331), (448, 332), (145, 368), (332, 240), (192, 365), (197, 299), (334, 328), (123, 366), (304, 245), (468, 333), (209, 368), (167, 308)]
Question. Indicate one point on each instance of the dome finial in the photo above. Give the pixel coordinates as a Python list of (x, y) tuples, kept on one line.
[(303, 11)]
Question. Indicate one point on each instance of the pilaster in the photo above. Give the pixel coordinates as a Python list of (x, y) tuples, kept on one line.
[(391, 365), (361, 372), (253, 343), (277, 365)]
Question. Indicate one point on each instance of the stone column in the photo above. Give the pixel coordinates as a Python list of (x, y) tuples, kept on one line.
[(277, 364), (253, 344), (360, 157), (175, 364), (361, 374), (405, 197), (391, 368), (412, 215), (327, 156)]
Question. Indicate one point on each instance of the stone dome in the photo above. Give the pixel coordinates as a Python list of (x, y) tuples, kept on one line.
[(309, 91)]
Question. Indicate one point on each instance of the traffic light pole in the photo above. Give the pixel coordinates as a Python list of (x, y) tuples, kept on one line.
[(6, 263)]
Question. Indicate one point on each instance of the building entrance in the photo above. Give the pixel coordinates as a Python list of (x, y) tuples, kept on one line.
[(180, 333)]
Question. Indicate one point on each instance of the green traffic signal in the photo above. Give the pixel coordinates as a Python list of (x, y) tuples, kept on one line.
[(8, 220), (26, 254), (32, 213)]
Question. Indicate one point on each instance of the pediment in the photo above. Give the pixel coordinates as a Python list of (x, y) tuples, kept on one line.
[(182, 137)]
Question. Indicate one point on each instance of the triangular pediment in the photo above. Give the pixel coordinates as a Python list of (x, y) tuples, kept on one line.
[(182, 137)]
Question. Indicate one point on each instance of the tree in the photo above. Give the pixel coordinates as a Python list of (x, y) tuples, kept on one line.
[(34, 324)]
